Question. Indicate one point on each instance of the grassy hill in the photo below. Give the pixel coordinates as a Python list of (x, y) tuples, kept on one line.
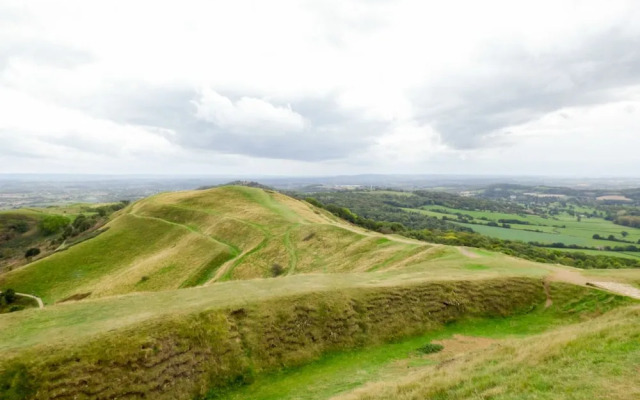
[(47, 229), (185, 239), (178, 344), (244, 293)]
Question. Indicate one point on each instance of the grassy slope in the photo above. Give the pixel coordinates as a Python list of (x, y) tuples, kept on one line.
[(191, 346), (194, 342), (13, 245), (338, 373), (186, 239), (76, 320), (597, 359)]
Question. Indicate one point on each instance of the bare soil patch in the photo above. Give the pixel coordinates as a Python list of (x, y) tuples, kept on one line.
[(467, 253)]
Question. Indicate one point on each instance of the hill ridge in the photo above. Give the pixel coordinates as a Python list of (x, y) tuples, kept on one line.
[(191, 238)]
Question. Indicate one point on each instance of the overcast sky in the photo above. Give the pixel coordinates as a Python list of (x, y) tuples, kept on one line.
[(320, 87)]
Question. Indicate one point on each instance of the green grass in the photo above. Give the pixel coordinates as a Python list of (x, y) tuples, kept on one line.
[(186, 239), (596, 359), (71, 321), (341, 372), (623, 254), (579, 233), (20, 303), (216, 333)]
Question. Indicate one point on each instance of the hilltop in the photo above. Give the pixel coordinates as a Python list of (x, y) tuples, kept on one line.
[(192, 238)]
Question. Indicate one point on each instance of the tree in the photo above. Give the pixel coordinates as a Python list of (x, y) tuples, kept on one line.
[(32, 252), (53, 223), (624, 233), (9, 295)]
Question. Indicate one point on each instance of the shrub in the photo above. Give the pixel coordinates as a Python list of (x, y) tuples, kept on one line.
[(431, 348), (20, 226), (82, 223), (277, 270), (32, 252), (9, 295), (53, 223)]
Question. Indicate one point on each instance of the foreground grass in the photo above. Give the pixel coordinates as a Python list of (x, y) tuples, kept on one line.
[(69, 322), (341, 372), (596, 359), (180, 351)]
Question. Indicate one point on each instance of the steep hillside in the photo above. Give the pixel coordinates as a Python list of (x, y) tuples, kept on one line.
[(48, 229), (185, 239), (186, 343)]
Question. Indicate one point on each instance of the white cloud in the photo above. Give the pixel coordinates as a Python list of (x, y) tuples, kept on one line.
[(249, 116), (34, 127), (384, 86), (408, 144)]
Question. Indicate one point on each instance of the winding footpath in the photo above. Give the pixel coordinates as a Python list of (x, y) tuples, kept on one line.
[(566, 274), (620, 288), (37, 299)]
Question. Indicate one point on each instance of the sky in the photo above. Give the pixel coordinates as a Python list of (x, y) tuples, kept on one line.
[(320, 87)]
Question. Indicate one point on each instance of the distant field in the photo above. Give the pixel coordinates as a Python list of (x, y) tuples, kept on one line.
[(632, 255), (574, 232)]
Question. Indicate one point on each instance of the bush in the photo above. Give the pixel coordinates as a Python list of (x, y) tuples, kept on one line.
[(53, 223), (20, 227), (431, 348), (9, 295), (32, 252), (82, 223), (277, 270)]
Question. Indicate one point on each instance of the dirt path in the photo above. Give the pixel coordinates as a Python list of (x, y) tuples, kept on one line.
[(37, 299), (465, 251), (569, 276), (620, 288), (547, 292), (576, 278)]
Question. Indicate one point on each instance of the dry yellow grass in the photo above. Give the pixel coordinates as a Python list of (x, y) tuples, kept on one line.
[(183, 239), (597, 359)]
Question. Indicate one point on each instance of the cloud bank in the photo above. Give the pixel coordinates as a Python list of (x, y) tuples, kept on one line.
[(338, 87)]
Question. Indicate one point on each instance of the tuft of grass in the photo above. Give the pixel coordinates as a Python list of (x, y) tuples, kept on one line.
[(430, 348)]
